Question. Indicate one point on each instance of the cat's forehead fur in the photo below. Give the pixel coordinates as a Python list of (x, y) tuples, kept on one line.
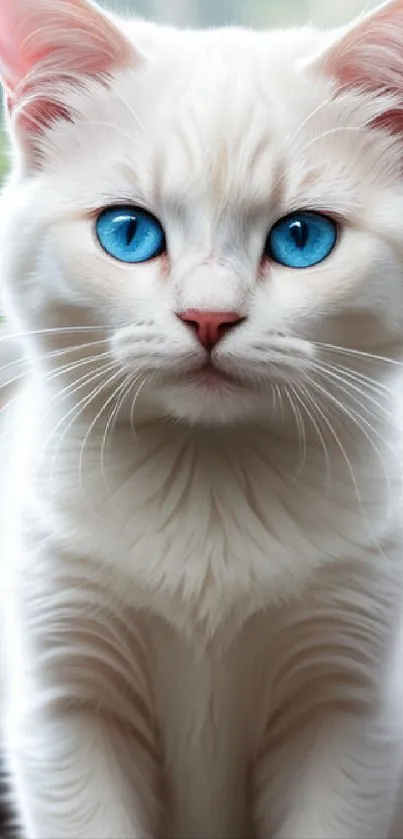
[(227, 114), (235, 41)]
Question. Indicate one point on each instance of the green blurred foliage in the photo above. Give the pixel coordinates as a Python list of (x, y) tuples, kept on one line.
[(3, 155)]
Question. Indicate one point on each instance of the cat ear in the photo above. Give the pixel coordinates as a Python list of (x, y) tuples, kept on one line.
[(368, 56), (44, 43)]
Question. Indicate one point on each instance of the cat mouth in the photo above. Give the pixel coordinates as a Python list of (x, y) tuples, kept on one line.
[(211, 377), (208, 378)]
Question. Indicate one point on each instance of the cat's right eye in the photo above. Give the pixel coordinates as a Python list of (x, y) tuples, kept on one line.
[(130, 234)]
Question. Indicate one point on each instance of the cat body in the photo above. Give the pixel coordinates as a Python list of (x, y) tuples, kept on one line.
[(201, 508), (216, 682)]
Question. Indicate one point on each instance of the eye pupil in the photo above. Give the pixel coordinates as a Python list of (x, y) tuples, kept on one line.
[(299, 233), (131, 231)]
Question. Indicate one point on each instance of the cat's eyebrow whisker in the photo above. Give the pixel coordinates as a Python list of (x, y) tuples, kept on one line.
[(103, 124), (290, 140), (123, 100), (28, 100), (350, 129)]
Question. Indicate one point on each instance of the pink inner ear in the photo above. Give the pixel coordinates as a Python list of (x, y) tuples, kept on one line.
[(370, 54), (55, 40), (370, 58)]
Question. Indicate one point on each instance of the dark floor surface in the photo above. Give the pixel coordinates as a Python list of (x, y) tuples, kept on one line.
[(6, 821)]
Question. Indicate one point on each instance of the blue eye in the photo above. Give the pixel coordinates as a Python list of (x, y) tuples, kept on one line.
[(129, 234), (301, 240)]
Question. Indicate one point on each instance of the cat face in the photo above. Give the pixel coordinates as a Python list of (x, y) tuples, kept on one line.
[(226, 206)]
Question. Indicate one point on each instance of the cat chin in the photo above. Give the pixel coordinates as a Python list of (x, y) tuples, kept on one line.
[(199, 405)]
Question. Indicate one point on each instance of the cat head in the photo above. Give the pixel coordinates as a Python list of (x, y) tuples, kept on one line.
[(225, 206)]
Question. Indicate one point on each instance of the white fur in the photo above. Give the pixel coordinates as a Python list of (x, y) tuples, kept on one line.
[(202, 584)]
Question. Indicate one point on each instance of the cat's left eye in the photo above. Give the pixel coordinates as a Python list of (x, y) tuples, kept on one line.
[(301, 240), (130, 234)]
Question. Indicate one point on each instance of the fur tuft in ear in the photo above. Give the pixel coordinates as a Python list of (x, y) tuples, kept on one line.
[(46, 43), (368, 56)]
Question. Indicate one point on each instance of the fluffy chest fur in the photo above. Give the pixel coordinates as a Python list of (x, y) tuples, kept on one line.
[(201, 589), (206, 527)]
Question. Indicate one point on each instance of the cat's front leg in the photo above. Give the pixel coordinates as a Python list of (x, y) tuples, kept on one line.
[(80, 727), (81, 776), (337, 779)]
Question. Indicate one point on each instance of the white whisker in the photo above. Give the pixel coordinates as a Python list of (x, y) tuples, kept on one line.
[(291, 139), (56, 330), (71, 390), (366, 381), (350, 414), (359, 354), (147, 378), (120, 394), (116, 375), (351, 387), (346, 129), (300, 392), (302, 444), (365, 427), (74, 413)]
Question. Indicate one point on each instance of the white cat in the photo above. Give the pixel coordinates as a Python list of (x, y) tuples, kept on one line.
[(202, 259)]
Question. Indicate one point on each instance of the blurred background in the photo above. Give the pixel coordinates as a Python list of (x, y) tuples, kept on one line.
[(259, 13), (248, 12)]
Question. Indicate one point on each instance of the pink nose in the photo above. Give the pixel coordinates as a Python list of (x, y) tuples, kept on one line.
[(210, 327)]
